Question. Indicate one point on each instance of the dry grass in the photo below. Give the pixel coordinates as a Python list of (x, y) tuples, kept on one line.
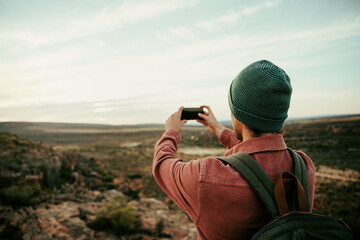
[(333, 144)]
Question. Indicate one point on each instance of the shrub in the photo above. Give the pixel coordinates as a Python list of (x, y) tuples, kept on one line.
[(18, 196), (159, 227), (101, 171), (55, 176), (134, 176), (11, 232), (65, 175), (109, 178), (100, 223), (110, 185), (120, 220), (123, 220), (18, 160), (133, 194)]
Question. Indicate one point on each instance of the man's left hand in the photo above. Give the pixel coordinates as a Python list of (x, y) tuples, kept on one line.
[(174, 121)]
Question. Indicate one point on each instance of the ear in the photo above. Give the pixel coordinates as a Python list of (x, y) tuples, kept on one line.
[(235, 123), (237, 126)]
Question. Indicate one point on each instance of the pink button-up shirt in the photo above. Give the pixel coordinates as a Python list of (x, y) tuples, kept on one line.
[(215, 196)]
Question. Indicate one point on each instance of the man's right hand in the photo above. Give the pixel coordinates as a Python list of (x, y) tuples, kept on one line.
[(210, 122)]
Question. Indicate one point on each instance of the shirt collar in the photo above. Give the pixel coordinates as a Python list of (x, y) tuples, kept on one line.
[(259, 144)]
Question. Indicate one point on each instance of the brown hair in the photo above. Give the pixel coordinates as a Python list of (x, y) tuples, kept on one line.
[(258, 133)]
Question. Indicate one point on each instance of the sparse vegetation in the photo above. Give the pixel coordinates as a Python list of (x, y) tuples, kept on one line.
[(18, 160), (17, 195), (331, 143), (11, 232), (54, 177), (134, 176), (114, 157), (120, 220), (332, 198)]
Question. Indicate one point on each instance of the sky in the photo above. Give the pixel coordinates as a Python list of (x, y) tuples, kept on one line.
[(134, 62)]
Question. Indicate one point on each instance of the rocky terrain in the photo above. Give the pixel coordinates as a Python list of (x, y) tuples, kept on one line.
[(52, 194), (95, 181)]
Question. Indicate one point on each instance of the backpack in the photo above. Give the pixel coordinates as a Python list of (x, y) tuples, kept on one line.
[(293, 222)]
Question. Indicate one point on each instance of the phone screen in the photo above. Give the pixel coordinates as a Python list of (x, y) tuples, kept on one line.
[(191, 113)]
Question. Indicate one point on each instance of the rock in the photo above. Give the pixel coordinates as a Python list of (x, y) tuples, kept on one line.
[(62, 222), (79, 180), (30, 228), (68, 219), (68, 204), (105, 236), (156, 218), (112, 194)]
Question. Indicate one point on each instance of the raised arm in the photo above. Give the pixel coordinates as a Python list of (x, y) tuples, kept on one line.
[(178, 179), (226, 136), (210, 122)]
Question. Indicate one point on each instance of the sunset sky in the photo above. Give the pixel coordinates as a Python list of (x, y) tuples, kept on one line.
[(130, 62)]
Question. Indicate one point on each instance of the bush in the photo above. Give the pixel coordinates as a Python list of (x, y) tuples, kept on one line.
[(121, 220), (100, 223), (109, 178), (159, 227), (110, 185), (18, 196), (133, 194), (65, 175), (55, 176), (11, 232), (18, 160), (101, 171), (135, 176)]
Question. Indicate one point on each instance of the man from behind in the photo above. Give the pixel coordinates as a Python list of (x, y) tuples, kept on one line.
[(215, 196)]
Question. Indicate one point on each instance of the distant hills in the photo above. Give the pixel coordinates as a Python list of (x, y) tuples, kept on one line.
[(292, 119), (323, 117), (10, 126)]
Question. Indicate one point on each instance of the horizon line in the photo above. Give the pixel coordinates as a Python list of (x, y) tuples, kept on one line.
[(189, 123)]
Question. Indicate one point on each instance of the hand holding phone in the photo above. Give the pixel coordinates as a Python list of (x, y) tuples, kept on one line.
[(191, 113)]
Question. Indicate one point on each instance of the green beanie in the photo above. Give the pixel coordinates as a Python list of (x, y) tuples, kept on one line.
[(260, 95)]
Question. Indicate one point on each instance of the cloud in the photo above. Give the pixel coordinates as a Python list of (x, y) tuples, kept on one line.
[(252, 10), (67, 75), (324, 102), (182, 32), (217, 23), (193, 69), (290, 44), (213, 24), (107, 20), (177, 36)]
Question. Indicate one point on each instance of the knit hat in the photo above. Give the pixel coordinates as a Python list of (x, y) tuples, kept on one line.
[(259, 96)]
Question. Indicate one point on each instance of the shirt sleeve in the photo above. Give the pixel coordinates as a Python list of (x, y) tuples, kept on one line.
[(178, 179), (228, 138)]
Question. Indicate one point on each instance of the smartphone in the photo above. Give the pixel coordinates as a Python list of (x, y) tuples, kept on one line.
[(191, 113)]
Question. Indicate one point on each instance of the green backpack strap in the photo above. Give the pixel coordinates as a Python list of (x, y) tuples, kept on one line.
[(300, 172), (260, 182), (256, 177)]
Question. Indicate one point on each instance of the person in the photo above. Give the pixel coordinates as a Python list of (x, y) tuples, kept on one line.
[(214, 195)]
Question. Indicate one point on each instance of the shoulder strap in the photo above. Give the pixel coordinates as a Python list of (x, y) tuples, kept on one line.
[(300, 172), (256, 177), (259, 181)]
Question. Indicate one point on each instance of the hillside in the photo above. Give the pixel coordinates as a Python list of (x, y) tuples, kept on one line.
[(47, 193), (120, 157)]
